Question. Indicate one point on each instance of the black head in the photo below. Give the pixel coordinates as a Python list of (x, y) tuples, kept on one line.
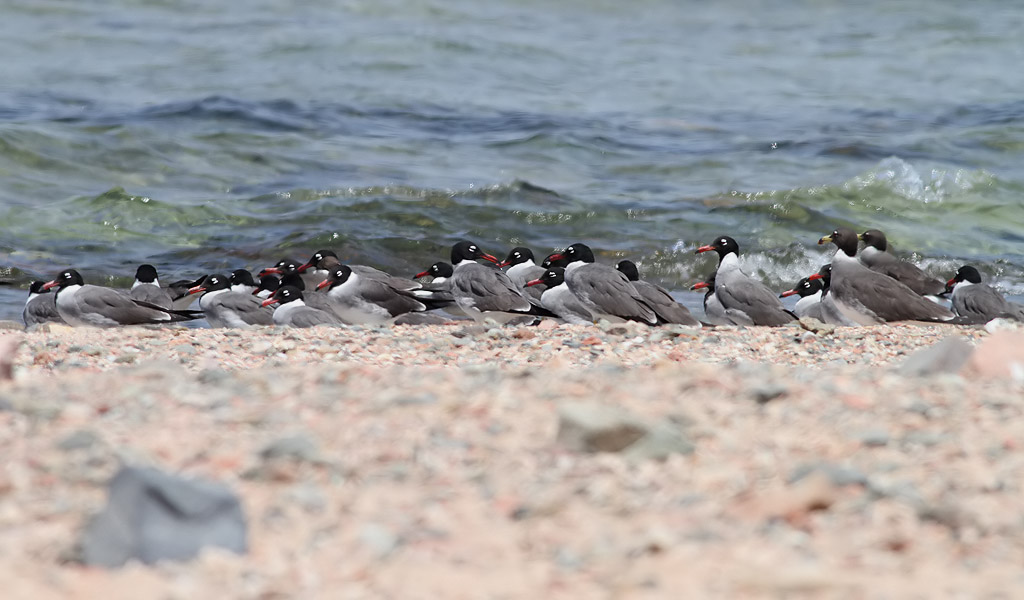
[(64, 279), (269, 283), (287, 294), (875, 239), (336, 276), (242, 277), (36, 287), (292, 279), (145, 274), (214, 282), (438, 269), (723, 246), (553, 277), (805, 287), (283, 267), (321, 259), (708, 284), (965, 273), (628, 268), (574, 253), (844, 238), (517, 256), (466, 250), (181, 287), (824, 275), (555, 259)]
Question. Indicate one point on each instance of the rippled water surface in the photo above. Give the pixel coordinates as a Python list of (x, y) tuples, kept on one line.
[(212, 135)]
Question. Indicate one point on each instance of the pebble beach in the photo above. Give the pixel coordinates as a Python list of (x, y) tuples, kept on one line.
[(447, 461)]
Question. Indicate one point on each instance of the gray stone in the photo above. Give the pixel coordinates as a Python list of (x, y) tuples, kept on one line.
[(766, 392), (296, 447), (213, 376), (838, 475), (470, 331), (813, 325), (874, 437), (946, 356), (153, 516), (589, 427), (380, 540), (79, 440)]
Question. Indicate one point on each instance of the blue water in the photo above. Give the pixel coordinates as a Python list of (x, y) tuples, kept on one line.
[(204, 136)]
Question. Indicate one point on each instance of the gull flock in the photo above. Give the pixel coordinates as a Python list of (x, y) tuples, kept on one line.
[(860, 286)]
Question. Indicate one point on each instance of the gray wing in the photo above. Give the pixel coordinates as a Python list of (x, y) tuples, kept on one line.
[(667, 309), (610, 291), (398, 283), (982, 301), (108, 304), (487, 289), (247, 307), (911, 276), (716, 314), (522, 276), (887, 298), (750, 296), (152, 294), (384, 295), (42, 309), (311, 317)]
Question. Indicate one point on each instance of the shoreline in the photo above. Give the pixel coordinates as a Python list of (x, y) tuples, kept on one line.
[(434, 466)]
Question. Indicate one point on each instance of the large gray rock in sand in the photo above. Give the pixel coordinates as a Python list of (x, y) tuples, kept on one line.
[(590, 427), (946, 356), (152, 516)]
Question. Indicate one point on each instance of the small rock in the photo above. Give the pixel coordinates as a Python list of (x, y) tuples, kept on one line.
[(9, 345), (379, 539), (946, 356), (470, 331), (11, 326), (874, 438), (839, 475), (815, 326), (213, 376), (297, 447), (1001, 355), (1002, 325), (78, 440), (153, 516), (590, 427), (766, 392)]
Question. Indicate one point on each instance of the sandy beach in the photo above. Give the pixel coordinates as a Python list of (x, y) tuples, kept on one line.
[(434, 462)]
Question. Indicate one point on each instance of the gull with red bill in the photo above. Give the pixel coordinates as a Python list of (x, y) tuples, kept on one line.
[(558, 299), (293, 311), (361, 301), (605, 292), (979, 302), (226, 308), (82, 305), (745, 300), (318, 267), (483, 292), (809, 289)]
